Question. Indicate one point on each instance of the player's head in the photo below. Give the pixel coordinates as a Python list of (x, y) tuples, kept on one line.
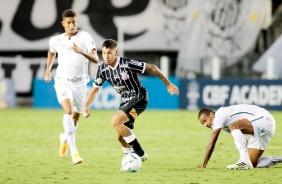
[(205, 116), (69, 22), (110, 52)]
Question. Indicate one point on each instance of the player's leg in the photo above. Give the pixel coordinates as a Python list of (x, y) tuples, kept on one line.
[(70, 129), (118, 121), (263, 132), (63, 138), (266, 161), (131, 111), (64, 96), (254, 155), (125, 146), (75, 118), (238, 129), (79, 95)]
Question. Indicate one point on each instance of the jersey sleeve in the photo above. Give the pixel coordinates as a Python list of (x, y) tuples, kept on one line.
[(89, 42), (52, 45), (137, 66), (99, 79), (220, 118)]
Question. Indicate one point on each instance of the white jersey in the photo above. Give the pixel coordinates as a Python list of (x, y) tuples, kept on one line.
[(225, 116), (71, 65)]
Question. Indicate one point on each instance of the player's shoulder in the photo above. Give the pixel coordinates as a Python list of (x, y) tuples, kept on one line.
[(83, 33), (56, 38), (102, 67), (222, 110), (123, 60)]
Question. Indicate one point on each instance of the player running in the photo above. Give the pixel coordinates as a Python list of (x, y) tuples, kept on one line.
[(122, 74), (75, 49)]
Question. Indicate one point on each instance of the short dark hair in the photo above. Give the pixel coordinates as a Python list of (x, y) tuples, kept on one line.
[(110, 43), (68, 13), (205, 111)]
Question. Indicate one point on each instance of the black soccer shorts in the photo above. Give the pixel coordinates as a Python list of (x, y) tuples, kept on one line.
[(134, 108)]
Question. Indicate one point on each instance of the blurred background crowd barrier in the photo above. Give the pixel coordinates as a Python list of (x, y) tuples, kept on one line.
[(219, 52)]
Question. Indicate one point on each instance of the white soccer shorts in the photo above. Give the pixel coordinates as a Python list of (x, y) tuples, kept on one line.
[(264, 128), (77, 94)]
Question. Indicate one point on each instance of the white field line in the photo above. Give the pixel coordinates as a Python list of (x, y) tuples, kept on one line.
[(152, 149)]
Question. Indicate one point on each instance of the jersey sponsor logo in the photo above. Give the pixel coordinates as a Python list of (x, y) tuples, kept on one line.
[(137, 63), (124, 65), (133, 113), (75, 79), (120, 89)]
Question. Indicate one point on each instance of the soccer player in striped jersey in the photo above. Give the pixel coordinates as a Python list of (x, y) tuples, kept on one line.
[(122, 74), (241, 120), (75, 49)]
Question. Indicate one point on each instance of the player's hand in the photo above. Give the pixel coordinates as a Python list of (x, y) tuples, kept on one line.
[(47, 76), (172, 89), (86, 112), (200, 166), (76, 49)]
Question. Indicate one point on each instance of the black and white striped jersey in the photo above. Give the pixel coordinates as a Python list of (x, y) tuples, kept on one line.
[(123, 77)]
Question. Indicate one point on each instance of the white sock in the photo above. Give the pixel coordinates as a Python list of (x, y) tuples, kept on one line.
[(127, 150), (130, 138), (63, 137), (241, 144), (70, 132), (269, 161)]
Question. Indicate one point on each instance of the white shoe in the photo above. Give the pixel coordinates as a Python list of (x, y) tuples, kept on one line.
[(241, 165), (144, 157)]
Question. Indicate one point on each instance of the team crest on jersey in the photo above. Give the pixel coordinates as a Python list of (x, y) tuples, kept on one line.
[(133, 113), (124, 75)]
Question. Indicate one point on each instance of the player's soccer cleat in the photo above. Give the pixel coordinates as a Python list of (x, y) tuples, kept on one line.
[(76, 159), (63, 147), (144, 157), (240, 165)]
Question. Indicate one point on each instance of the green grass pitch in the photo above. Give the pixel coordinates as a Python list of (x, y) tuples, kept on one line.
[(174, 141)]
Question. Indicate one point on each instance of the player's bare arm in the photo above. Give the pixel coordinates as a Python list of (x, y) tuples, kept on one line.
[(90, 98), (50, 60), (91, 55), (210, 147), (171, 88)]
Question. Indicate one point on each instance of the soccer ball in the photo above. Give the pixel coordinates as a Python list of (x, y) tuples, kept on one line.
[(131, 162)]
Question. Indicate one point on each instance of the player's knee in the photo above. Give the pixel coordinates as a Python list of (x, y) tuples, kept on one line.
[(235, 126), (67, 111), (115, 123)]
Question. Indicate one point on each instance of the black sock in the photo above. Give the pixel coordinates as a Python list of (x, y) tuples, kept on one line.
[(137, 147)]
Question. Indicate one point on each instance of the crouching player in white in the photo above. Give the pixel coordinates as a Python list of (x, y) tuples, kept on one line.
[(240, 120), (75, 49)]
